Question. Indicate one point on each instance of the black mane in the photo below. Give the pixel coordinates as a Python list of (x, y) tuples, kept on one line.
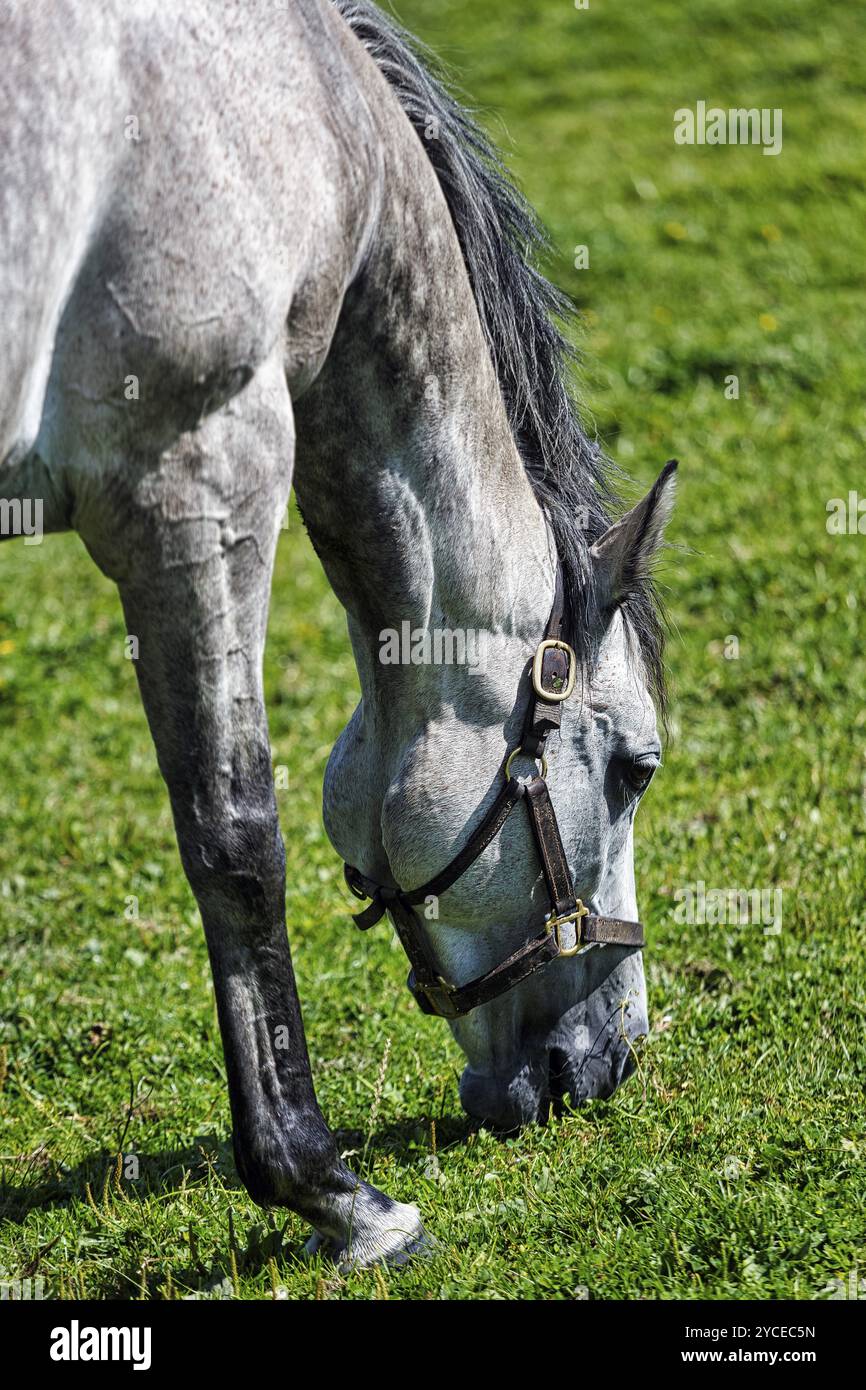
[(520, 311)]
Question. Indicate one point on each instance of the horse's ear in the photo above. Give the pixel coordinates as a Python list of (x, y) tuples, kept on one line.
[(624, 554)]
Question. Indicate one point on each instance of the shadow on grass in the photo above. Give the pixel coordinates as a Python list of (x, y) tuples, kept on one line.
[(408, 1141), (100, 1184), (35, 1181)]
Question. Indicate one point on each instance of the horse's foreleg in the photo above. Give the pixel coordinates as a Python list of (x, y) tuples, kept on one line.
[(195, 595)]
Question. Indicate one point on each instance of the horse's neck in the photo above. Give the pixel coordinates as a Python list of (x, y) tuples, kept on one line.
[(407, 474)]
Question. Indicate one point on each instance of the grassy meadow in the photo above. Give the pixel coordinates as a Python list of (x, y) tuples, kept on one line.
[(733, 1164)]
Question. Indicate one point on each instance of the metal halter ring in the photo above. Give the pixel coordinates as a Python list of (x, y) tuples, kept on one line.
[(513, 754), (553, 697)]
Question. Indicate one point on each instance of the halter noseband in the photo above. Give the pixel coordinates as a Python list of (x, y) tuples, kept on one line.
[(569, 925)]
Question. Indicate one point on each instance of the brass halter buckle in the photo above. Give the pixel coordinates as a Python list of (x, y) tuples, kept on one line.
[(553, 925), (436, 999), (553, 697)]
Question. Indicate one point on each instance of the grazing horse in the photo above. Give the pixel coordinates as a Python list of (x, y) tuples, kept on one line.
[(244, 244)]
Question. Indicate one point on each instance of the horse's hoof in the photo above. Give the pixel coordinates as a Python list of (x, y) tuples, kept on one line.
[(396, 1237)]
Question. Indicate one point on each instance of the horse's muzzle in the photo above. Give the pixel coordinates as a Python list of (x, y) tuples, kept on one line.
[(506, 1103)]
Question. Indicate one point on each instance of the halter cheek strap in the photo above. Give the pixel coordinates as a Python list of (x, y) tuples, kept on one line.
[(569, 925)]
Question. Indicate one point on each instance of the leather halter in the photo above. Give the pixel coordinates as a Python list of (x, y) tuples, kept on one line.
[(569, 925)]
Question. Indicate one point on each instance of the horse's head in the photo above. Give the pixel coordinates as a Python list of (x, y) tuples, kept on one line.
[(569, 1027)]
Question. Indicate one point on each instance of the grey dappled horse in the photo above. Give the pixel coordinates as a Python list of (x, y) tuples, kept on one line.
[(242, 243)]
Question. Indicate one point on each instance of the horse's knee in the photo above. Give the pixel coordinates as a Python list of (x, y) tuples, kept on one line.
[(235, 857)]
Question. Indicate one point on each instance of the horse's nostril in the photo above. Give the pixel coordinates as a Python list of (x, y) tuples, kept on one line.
[(557, 1071)]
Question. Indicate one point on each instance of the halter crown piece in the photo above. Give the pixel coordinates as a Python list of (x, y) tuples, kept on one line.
[(569, 925)]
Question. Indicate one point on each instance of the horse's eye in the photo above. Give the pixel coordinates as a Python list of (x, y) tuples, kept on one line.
[(638, 772)]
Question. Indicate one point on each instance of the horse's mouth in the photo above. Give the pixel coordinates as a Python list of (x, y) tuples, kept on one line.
[(546, 1086)]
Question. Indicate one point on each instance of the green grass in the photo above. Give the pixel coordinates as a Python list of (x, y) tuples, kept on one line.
[(733, 1166)]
